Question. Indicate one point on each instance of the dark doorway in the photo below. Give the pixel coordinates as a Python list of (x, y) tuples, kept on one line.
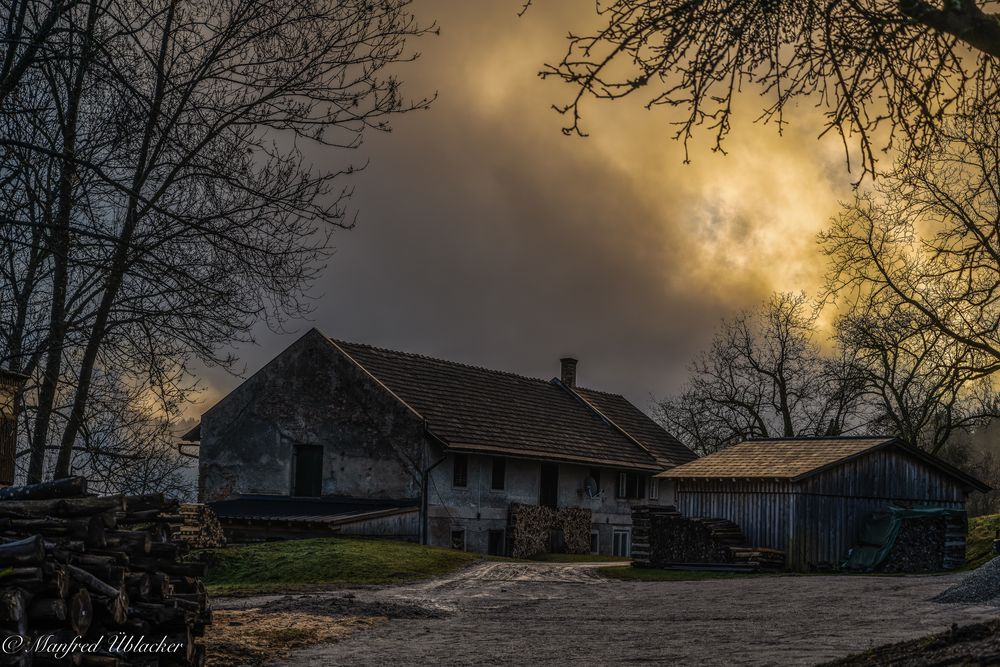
[(495, 546), (458, 539), (308, 479), (548, 494)]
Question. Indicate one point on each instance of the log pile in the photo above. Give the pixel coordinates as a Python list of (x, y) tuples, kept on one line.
[(643, 517), (535, 529), (927, 544), (759, 558), (200, 528), (662, 537), (574, 522), (100, 574), (956, 530)]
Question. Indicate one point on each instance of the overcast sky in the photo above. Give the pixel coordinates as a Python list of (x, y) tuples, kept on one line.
[(486, 236)]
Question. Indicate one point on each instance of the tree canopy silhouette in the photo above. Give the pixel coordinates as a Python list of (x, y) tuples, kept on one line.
[(881, 70)]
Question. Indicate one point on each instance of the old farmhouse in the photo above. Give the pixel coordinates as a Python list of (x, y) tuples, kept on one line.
[(810, 497), (342, 437)]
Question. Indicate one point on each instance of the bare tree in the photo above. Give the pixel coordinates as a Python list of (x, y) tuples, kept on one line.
[(916, 382), (869, 64), (925, 239), (127, 441), (763, 376), (28, 26), (881, 373), (979, 458), (178, 204)]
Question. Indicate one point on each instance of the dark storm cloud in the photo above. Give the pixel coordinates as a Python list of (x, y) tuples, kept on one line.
[(487, 237)]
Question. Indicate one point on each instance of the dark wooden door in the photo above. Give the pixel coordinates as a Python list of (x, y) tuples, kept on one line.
[(548, 490), (308, 480)]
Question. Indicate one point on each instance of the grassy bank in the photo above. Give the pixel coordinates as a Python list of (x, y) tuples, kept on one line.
[(979, 543), (334, 561)]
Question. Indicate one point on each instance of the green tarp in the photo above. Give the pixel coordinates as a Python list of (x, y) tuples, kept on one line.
[(879, 533)]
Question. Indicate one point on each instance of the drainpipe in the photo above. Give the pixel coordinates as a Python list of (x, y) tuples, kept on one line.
[(425, 475)]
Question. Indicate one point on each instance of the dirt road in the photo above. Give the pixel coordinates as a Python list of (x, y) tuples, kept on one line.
[(512, 613)]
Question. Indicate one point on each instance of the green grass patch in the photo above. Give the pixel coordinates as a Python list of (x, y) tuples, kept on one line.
[(324, 562), (578, 558), (628, 573), (979, 542)]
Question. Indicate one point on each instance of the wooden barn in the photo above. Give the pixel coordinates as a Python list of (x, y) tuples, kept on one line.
[(810, 497)]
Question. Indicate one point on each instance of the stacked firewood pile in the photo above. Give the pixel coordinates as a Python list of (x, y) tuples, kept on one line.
[(927, 544), (575, 525), (662, 537), (200, 528), (535, 529), (642, 522), (99, 574), (956, 529)]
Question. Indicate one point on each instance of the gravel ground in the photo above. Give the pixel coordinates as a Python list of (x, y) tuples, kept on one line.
[(981, 586), (512, 613)]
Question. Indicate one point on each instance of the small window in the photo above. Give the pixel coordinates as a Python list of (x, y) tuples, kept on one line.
[(654, 488), (458, 539), (499, 474), (631, 485), (460, 471), (595, 542)]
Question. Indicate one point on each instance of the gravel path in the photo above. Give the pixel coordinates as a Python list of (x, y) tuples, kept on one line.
[(512, 613)]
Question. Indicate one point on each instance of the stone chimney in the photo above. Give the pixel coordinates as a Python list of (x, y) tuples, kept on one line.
[(568, 375)]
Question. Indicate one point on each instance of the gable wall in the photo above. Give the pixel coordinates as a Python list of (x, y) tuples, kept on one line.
[(888, 473), (310, 394)]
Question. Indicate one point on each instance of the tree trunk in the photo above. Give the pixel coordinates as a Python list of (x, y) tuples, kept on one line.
[(118, 266), (60, 245)]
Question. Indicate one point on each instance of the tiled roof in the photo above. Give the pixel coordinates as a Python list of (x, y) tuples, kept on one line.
[(476, 409), (778, 458), (667, 449), (791, 458), (306, 510)]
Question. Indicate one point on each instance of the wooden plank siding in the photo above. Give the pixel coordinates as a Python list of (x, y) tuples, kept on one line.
[(762, 508), (817, 519)]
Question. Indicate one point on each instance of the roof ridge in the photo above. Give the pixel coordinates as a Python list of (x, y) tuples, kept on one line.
[(427, 357), (602, 392), (600, 413)]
